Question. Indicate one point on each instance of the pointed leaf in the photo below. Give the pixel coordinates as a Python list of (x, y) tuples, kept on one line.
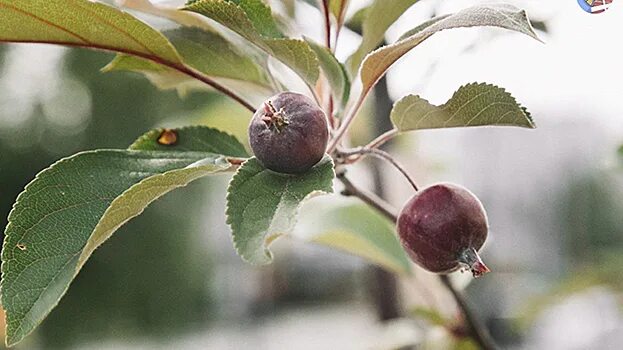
[(296, 54), (207, 52), (70, 209), (379, 17), (334, 71), (261, 17), (509, 17), (338, 9), (262, 205), (82, 23), (359, 230), (471, 105)]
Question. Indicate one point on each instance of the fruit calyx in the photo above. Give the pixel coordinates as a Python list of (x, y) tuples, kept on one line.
[(275, 119), (470, 259)]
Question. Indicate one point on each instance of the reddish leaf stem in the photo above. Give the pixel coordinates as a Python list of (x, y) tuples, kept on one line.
[(180, 67), (327, 23), (363, 151)]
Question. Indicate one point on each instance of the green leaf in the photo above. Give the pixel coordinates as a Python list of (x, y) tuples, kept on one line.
[(296, 54), (378, 18), (85, 24), (260, 15), (191, 139), (509, 17), (169, 12), (338, 9), (471, 105), (360, 231), (262, 205), (207, 52), (70, 209), (355, 22), (334, 71)]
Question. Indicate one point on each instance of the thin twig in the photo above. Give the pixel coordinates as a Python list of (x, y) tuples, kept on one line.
[(381, 139), (330, 112), (345, 124), (367, 197), (477, 331), (203, 78), (382, 155)]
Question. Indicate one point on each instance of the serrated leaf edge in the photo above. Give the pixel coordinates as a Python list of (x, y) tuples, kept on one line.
[(8, 340), (265, 40), (532, 124), (268, 237)]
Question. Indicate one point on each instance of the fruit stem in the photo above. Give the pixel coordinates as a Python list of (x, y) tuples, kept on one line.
[(470, 259), (362, 151), (367, 197), (274, 119)]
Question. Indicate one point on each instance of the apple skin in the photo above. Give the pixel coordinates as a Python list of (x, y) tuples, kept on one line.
[(289, 133), (442, 228)]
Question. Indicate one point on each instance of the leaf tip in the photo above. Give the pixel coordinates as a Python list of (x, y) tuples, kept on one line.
[(532, 33)]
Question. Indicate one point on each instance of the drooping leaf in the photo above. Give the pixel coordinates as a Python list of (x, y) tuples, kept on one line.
[(360, 231), (76, 204), (294, 53), (85, 24), (88, 24), (379, 17), (334, 71), (471, 105), (207, 52), (262, 205), (69, 210), (509, 17), (190, 139)]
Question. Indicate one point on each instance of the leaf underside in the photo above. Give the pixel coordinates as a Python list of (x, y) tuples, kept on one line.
[(471, 105), (208, 52), (359, 230), (334, 71), (383, 14), (262, 205), (508, 17), (236, 16)]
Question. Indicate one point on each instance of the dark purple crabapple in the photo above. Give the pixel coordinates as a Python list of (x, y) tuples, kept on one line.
[(442, 228), (289, 133)]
